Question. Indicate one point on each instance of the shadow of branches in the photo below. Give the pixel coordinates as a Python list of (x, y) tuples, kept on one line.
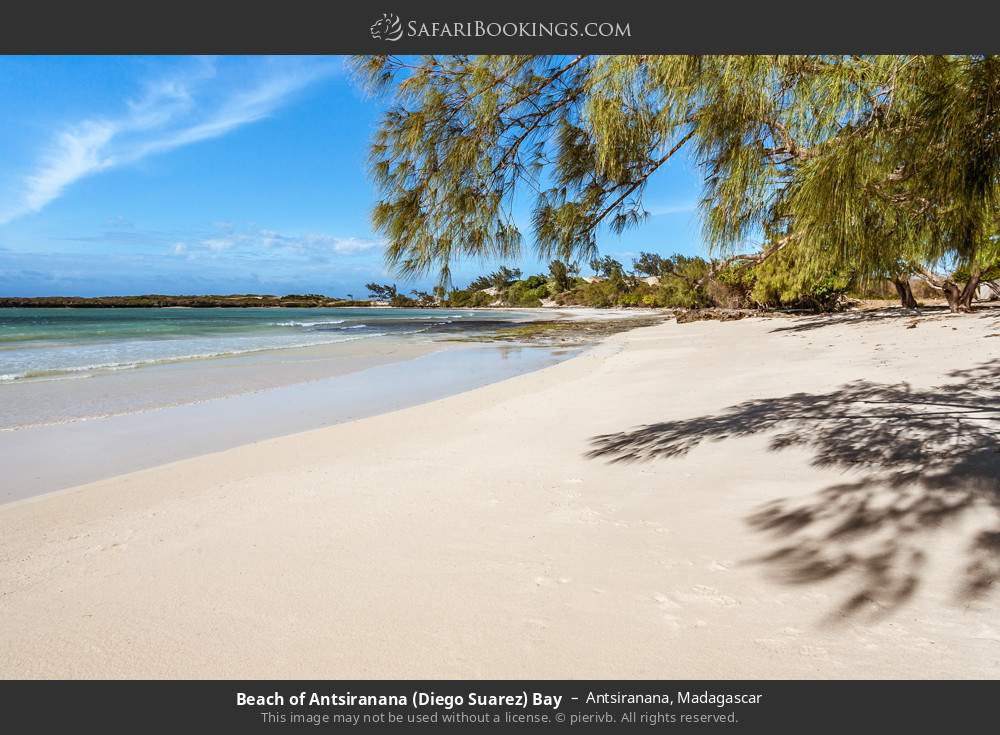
[(921, 460), (862, 317)]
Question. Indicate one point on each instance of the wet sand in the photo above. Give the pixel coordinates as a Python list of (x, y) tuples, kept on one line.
[(54, 456)]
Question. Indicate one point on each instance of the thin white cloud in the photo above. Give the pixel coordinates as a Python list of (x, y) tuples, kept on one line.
[(351, 245), (204, 101), (75, 154), (218, 244), (677, 208), (307, 244), (247, 245)]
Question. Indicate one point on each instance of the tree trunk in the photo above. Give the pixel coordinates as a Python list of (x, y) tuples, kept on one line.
[(959, 297), (969, 292), (954, 295), (905, 292)]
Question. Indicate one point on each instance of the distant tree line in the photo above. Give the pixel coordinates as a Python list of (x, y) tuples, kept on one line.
[(653, 281), (163, 300)]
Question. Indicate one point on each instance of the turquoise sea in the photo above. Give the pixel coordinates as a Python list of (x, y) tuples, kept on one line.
[(117, 390), (55, 343)]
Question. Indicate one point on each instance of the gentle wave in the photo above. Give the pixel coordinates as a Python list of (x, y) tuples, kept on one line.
[(428, 317), (308, 324), (74, 371), (59, 344)]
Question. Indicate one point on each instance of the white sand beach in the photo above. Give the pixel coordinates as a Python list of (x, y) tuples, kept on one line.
[(829, 530)]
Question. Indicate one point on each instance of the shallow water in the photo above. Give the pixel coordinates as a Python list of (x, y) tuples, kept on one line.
[(98, 447), (109, 391), (67, 343)]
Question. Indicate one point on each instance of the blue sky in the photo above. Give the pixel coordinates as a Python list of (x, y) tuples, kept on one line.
[(208, 175)]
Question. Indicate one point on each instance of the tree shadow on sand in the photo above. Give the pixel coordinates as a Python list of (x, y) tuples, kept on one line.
[(923, 461), (859, 318), (864, 317)]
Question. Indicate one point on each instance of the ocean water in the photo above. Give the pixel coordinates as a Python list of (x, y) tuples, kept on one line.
[(67, 343), (118, 390)]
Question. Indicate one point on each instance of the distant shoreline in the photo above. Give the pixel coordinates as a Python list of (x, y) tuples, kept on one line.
[(162, 301), (268, 302), (244, 302)]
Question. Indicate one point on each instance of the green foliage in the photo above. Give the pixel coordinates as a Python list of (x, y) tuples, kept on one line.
[(885, 166), (607, 267), (692, 282), (523, 293), (381, 291), (650, 264), (782, 284), (732, 285), (498, 279), (561, 277), (422, 298), (683, 280), (597, 294), (788, 279), (468, 299)]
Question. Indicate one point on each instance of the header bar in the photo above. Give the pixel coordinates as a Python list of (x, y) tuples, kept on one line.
[(513, 26)]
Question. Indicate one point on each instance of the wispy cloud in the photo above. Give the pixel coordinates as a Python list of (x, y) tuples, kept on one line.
[(264, 244), (206, 99), (658, 210), (227, 239), (317, 242), (270, 242), (227, 258)]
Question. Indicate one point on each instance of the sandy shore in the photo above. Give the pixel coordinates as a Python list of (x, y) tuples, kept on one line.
[(93, 449), (819, 531)]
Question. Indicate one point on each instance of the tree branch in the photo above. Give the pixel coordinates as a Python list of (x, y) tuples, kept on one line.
[(642, 179)]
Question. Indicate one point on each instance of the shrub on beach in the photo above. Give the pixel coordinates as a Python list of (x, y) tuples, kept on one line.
[(468, 299), (521, 295), (792, 281)]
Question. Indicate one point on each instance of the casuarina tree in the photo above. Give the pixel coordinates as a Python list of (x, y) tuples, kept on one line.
[(886, 166)]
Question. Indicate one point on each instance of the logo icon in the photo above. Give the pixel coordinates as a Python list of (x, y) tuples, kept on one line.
[(387, 28)]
